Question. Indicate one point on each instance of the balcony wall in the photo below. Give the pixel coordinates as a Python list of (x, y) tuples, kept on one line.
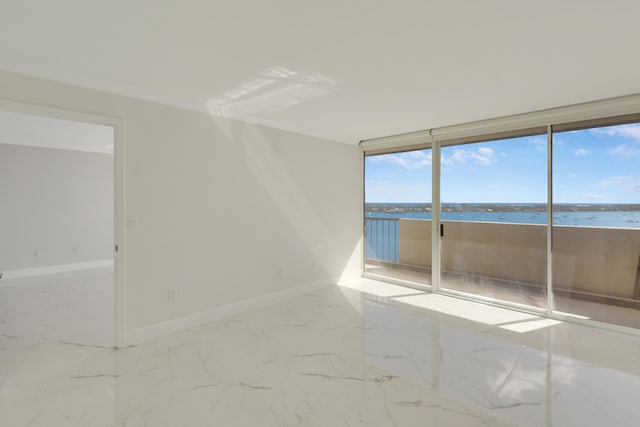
[(602, 261)]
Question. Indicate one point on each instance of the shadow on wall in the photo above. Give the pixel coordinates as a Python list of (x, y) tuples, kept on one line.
[(318, 191), (308, 196), (315, 184)]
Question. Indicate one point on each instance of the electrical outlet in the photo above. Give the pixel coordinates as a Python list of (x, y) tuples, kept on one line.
[(75, 251), (37, 253), (171, 294), (280, 273)]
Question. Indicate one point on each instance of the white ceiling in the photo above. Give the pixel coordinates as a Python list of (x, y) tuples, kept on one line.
[(343, 69), (36, 131)]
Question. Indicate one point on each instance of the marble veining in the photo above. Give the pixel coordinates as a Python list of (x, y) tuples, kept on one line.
[(363, 353)]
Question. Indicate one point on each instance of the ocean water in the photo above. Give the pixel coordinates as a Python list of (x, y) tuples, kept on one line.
[(609, 219)]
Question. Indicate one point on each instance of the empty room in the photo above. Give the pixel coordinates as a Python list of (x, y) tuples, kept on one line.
[(410, 213), (56, 182)]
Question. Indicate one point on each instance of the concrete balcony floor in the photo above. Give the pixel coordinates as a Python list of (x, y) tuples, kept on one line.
[(582, 306)]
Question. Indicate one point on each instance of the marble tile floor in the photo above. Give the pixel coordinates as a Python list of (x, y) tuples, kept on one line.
[(364, 353), (76, 307)]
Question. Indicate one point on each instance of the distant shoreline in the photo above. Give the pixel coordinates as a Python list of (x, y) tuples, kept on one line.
[(501, 207)]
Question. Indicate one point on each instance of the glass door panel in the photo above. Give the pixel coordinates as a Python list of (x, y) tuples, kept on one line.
[(596, 223), (398, 216), (494, 219)]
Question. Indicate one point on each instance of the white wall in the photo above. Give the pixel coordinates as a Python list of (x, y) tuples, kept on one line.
[(52, 202), (221, 205)]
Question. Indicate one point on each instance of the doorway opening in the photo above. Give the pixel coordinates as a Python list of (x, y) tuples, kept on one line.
[(59, 229)]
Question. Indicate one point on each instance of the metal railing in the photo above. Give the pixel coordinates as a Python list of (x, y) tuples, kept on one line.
[(382, 239)]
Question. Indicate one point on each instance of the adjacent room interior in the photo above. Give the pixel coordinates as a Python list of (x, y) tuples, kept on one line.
[(56, 251)]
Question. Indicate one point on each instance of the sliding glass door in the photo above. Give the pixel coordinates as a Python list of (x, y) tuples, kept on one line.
[(494, 219), (596, 223), (397, 216), (545, 218)]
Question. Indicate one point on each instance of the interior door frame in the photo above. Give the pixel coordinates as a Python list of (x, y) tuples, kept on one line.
[(119, 179)]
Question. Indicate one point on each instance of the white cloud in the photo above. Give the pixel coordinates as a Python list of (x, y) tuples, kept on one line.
[(626, 183), (539, 142), (581, 152), (627, 151), (458, 156), (410, 160), (482, 156), (626, 131), (630, 132)]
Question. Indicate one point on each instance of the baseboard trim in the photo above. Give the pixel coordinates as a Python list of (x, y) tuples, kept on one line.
[(53, 269), (146, 333)]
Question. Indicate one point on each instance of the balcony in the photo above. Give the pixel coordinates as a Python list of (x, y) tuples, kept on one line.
[(595, 270)]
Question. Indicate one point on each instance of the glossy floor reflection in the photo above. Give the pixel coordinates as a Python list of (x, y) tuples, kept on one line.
[(75, 307), (365, 353)]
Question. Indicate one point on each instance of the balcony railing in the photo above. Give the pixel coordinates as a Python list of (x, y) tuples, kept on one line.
[(382, 239)]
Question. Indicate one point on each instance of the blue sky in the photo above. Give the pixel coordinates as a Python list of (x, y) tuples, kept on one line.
[(590, 166)]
